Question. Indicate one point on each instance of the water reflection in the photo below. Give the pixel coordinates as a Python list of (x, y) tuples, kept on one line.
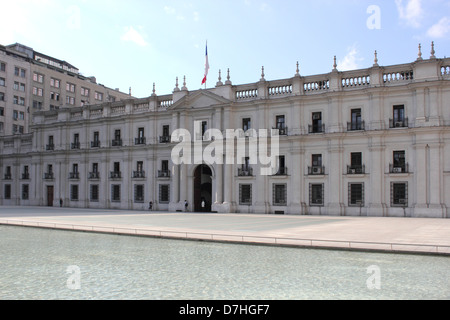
[(34, 262)]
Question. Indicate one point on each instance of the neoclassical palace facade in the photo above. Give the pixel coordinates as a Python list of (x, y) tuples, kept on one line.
[(370, 142)]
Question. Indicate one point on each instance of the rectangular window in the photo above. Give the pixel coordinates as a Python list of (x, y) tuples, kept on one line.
[(280, 122), (7, 192), (316, 123), (2, 82), (70, 87), (245, 194), (94, 192), (2, 66), (2, 111), (55, 83), (164, 193), (2, 96), (316, 194), (98, 96), (25, 191), (246, 124), (399, 194), (84, 92), (73, 192), (356, 120), (139, 193), (279, 194), (356, 194), (115, 192), (399, 165)]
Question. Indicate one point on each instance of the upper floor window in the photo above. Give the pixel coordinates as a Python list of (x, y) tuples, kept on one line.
[(70, 87), (356, 122), (84, 92), (246, 124), (2, 66), (55, 82), (399, 118), (38, 77), (98, 96), (317, 125)]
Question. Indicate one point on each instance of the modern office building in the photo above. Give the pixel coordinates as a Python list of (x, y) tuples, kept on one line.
[(370, 142), (31, 81)]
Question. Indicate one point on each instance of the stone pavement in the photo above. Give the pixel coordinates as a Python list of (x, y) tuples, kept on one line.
[(412, 235)]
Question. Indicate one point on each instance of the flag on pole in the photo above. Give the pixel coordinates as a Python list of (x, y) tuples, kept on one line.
[(206, 65)]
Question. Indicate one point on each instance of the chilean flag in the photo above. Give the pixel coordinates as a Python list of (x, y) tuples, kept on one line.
[(206, 66)]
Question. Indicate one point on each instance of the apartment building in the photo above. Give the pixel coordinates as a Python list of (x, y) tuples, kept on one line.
[(31, 81), (369, 142)]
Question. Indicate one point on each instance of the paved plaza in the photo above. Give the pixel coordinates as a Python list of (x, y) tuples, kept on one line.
[(417, 235)]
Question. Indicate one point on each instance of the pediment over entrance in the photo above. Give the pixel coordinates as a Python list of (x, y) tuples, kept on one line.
[(199, 99)]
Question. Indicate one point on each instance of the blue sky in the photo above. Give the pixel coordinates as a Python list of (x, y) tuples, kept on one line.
[(136, 43)]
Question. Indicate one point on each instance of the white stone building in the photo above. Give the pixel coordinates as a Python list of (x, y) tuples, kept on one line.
[(370, 142)]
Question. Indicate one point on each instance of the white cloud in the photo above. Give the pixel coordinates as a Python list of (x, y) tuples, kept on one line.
[(440, 29), (132, 35), (411, 13), (350, 61)]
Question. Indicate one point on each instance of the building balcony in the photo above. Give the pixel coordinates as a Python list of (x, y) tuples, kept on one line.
[(74, 175), (361, 169), (399, 168), (94, 175), (245, 172), (8, 176), (282, 131), (25, 176), (316, 128), (115, 175), (140, 141), (282, 171), (316, 170), (49, 176), (356, 126), (163, 174), (50, 147), (95, 144), (116, 143), (164, 139), (75, 145), (138, 174), (398, 123)]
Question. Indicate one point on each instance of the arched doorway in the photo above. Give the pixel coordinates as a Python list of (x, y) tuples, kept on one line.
[(202, 188)]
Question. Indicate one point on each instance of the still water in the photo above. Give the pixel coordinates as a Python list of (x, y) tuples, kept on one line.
[(52, 264)]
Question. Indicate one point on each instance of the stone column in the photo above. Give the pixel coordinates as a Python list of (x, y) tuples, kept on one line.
[(296, 185), (375, 190), (335, 187)]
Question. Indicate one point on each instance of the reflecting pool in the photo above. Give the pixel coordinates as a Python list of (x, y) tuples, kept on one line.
[(53, 264)]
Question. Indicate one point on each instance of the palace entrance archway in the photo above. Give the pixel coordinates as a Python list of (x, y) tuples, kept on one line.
[(202, 188)]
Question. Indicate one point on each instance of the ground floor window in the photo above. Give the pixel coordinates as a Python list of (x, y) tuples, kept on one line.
[(25, 191), (399, 194), (94, 194), (245, 194), (164, 193), (74, 192), (279, 194), (115, 192), (356, 194), (7, 192), (316, 194), (138, 193)]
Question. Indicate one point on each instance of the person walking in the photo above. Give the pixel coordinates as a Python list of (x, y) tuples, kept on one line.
[(186, 205)]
